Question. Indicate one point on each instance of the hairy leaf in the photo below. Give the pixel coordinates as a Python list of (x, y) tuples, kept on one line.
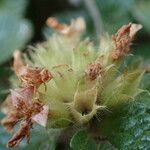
[(128, 127), (82, 141)]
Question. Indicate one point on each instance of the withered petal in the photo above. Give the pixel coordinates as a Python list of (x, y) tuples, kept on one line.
[(41, 118), (22, 95), (134, 29), (76, 26), (94, 70), (123, 40), (53, 23), (28, 75), (23, 132)]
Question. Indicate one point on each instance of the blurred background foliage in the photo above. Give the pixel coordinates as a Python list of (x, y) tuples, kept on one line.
[(22, 23)]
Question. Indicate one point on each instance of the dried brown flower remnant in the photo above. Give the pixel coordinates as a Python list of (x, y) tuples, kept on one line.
[(23, 132), (30, 76), (26, 124), (22, 101), (74, 28), (94, 70), (123, 40), (53, 23), (27, 110), (35, 77), (23, 95), (41, 118), (23, 106), (23, 109)]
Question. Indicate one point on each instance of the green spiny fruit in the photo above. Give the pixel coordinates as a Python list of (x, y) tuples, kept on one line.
[(79, 79)]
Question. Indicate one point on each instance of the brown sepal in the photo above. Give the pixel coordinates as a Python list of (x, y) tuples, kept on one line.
[(28, 75), (123, 40), (23, 132), (94, 70)]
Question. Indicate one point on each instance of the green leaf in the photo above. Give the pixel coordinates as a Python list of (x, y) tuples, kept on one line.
[(128, 126), (115, 13), (141, 12), (106, 146), (82, 141), (14, 30)]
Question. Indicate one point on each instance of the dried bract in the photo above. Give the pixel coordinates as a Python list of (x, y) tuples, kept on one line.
[(123, 40), (28, 75), (94, 70), (22, 95), (76, 26), (41, 118), (23, 106), (23, 132), (27, 111)]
